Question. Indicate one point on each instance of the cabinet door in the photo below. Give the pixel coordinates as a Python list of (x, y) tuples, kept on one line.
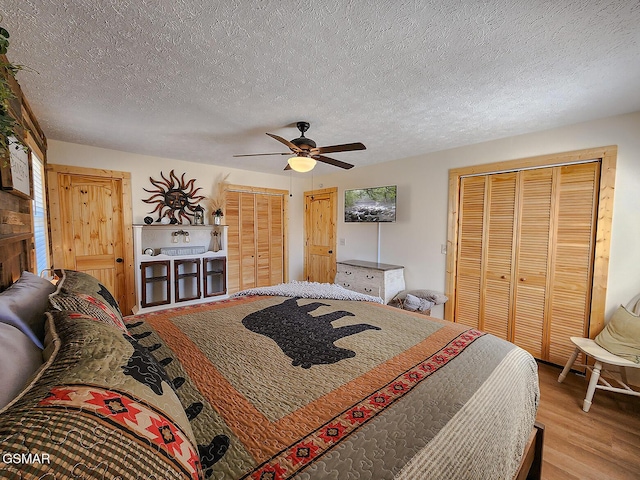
[(470, 240), (532, 259), (498, 254), (156, 283)]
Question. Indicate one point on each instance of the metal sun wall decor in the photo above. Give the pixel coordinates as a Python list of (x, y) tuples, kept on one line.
[(176, 199)]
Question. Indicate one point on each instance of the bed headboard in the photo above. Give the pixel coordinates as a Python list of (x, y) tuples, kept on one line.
[(16, 238)]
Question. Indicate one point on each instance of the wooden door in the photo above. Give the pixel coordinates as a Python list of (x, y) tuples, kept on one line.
[(468, 299), (91, 227), (320, 235), (256, 237), (573, 257), (496, 286), (533, 268)]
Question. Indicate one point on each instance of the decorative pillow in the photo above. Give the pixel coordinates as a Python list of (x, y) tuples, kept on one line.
[(430, 295), (20, 358), (416, 304), (621, 336), (80, 292), (101, 407), (23, 305)]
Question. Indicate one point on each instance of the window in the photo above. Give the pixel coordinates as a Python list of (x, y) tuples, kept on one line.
[(40, 231)]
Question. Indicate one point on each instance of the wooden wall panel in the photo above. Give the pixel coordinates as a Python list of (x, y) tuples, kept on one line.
[(16, 224)]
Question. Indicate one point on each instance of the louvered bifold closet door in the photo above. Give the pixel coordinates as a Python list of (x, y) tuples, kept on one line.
[(535, 189), (232, 218), (269, 239), (573, 242), (470, 239), (495, 312), (255, 255), (276, 231)]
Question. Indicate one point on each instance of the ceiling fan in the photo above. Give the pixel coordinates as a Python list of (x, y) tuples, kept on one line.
[(306, 153)]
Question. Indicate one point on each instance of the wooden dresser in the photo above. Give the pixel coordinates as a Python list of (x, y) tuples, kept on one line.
[(372, 278)]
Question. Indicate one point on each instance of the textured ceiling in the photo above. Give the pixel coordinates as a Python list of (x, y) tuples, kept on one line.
[(202, 80)]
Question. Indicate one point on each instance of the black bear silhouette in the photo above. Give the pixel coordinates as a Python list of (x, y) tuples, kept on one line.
[(143, 367), (306, 339), (178, 382), (193, 410), (210, 454)]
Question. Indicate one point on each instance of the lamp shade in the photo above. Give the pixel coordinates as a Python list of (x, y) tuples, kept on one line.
[(302, 164)]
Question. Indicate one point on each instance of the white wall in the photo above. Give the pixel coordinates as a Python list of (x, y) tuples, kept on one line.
[(415, 239), (142, 167), (421, 228)]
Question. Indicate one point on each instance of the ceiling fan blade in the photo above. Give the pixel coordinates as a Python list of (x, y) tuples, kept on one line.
[(333, 161), (292, 146), (258, 154), (347, 147)]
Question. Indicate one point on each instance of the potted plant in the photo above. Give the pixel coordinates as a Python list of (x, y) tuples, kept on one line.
[(9, 125), (217, 216)]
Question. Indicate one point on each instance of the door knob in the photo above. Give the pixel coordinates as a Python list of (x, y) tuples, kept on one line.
[(503, 277), (119, 260), (330, 251), (523, 279)]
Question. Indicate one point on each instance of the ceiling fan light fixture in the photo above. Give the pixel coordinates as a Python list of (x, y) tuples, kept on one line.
[(301, 164)]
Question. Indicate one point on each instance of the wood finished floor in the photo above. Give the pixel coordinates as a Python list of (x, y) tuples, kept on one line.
[(603, 444)]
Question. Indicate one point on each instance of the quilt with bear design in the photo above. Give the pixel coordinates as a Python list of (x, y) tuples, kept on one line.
[(278, 387)]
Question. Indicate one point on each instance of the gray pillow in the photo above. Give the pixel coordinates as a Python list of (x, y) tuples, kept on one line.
[(436, 297), (416, 304), (23, 305), (19, 358)]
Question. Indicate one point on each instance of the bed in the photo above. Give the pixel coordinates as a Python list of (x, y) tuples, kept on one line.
[(269, 386)]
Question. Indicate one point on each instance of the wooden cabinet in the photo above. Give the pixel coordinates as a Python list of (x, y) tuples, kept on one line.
[(155, 280), (525, 255), (371, 278), (172, 269), (215, 276), (256, 239)]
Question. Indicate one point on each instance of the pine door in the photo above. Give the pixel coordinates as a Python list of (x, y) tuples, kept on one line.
[(320, 224), (91, 226)]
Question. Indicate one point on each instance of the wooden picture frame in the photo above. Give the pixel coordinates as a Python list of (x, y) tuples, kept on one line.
[(15, 171)]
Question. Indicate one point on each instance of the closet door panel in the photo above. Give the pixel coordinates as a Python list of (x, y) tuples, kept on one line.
[(574, 238), (232, 218), (469, 271), (532, 259), (247, 241), (499, 230), (263, 240), (276, 223)]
